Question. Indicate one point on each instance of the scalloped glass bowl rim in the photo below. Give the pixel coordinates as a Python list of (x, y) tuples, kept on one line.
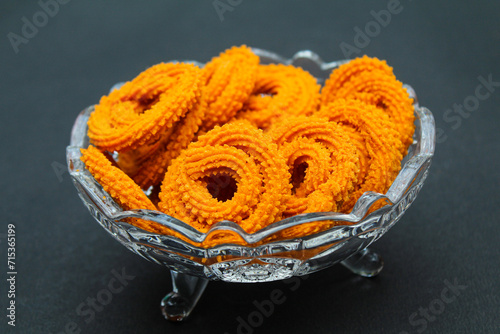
[(422, 152)]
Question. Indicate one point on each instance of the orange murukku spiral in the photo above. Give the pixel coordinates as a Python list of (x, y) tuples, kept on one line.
[(280, 90), (233, 172), (243, 135), (137, 113), (149, 167), (354, 68), (131, 161), (309, 165), (120, 187), (210, 184), (372, 81), (330, 185), (376, 141), (228, 81), (390, 96)]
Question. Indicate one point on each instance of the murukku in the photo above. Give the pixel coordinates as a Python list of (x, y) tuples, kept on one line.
[(379, 144), (137, 113), (372, 81), (327, 191), (280, 90), (243, 135), (120, 187), (309, 165), (210, 184), (149, 169), (249, 143), (227, 81), (388, 95), (352, 69), (233, 172), (131, 161)]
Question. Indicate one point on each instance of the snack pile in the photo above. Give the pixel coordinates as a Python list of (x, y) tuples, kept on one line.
[(251, 143)]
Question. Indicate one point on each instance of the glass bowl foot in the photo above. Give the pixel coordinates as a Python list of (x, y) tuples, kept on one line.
[(187, 290), (365, 263)]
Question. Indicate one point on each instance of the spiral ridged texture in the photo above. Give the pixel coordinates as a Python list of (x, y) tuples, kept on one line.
[(280, 90), (150, 168), (322, 189), (354, 68), (249, 143), (120, 187), (379, 144), (228, 81), (372, 81), (196, 185), (137, 113)]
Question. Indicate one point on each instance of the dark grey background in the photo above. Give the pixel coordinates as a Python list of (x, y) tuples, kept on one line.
[(63, 257)]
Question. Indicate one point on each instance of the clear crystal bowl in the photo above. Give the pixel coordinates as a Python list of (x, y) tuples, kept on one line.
[(258, 260)]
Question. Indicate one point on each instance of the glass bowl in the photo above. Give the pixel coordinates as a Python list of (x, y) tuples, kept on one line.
[(257, 260)]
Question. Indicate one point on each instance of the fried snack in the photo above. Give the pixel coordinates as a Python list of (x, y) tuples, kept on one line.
[(390, 96), (233, 172), (210, 184), (228, 81), (129, 196), (376, 141), (249, 143), (138, 112), (243, 135), (309, 165), (150, 167), (280, 90), (120, 187), (321, 190), (354, 68), (131, 161), (372, 81)]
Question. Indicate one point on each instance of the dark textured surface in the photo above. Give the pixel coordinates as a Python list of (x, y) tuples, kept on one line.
[(451, 233)]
